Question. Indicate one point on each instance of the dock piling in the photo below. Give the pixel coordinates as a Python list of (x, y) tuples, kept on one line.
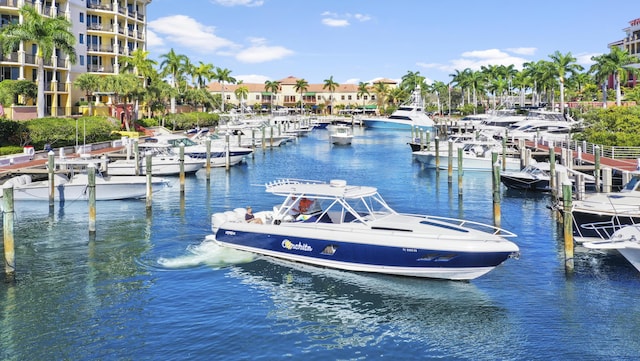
[(91, 170), (568, 226), (7, 226), (149, 195)]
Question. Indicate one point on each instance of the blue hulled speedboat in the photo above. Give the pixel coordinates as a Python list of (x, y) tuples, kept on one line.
[(352, 228)]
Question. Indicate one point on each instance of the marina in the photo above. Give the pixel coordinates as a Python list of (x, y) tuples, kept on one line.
[(153, 284)]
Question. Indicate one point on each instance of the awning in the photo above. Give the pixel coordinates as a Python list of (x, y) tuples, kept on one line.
[(309, 94), (371, 106), (266, 93)]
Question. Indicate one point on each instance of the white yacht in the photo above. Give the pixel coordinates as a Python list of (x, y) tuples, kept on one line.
[(407, 116)]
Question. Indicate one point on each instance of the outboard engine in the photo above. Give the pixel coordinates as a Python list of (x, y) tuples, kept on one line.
[(217, 219)]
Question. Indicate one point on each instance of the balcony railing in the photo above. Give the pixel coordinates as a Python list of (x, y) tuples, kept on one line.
[(61, 62), (99, 69), (13, 57), (100, 48), (99, 6), (9, 3), (100, 27), (29, 59)]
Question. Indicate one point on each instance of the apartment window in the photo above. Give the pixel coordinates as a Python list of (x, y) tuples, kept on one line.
[(342, 97), (81, 38), (348, 97), (82, 17), (81, 60)]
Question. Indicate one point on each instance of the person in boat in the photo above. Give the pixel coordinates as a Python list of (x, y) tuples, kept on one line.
[(250, 217)]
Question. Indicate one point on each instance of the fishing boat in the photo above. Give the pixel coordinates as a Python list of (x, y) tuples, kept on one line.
[(625, 240), (219, 155), (615, 208), (341, 134), (164, 162), (407, 116), (352, 228), (76, 187), (477, 155)]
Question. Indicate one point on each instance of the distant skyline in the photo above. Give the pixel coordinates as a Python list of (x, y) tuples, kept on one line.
[(356, 41)]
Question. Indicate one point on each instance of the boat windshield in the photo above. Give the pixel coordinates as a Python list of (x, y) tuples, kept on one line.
[(632, 184)]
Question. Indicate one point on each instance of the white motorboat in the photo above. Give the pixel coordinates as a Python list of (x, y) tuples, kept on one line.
[(537, 177), (164, 162), (76, 187), (341, 134), (352, 228), (218, 153), (407, 116), (476, 156), (625, 240), (613, 208)]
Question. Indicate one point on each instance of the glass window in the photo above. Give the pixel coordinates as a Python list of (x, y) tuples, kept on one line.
[(82, 17), (81, 38), (81, 60)]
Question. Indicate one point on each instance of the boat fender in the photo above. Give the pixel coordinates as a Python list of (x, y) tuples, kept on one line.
[(338, 183)]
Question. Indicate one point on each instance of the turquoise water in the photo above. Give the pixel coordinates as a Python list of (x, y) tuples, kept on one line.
[(152, 285)]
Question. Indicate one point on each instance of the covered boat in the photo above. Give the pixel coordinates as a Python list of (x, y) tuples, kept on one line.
[(352, 228)]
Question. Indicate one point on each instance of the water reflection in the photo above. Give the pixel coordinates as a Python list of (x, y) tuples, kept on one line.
[(340, 309)]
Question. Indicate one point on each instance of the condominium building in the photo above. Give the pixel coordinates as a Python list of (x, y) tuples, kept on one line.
[(104, 30), (630, 43)]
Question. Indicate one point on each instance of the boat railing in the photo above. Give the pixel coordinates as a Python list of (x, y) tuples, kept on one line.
[(487, 228), (605, 229)]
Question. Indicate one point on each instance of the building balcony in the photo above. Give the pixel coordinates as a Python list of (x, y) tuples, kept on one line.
[(100, 27), (99, 69), (100, 48), (11, 57), (9, 3), (99, 6)]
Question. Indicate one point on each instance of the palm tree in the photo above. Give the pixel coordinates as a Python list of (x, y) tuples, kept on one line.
[(563, 64), (89, 83), (301, 86), (47, 34), (272, 86), (140, 65), (617, 63), (363, 89), (241, 93), (203, 74), (382, 92), (123, 86), (331, 85), (222, 76), (172, 66)]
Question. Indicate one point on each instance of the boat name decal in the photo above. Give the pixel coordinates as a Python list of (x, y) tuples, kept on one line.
[(230, 233), (296, 246)]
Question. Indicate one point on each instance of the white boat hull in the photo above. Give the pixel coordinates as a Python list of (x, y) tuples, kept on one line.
[(77, 188), (159, 167), (483, 164)]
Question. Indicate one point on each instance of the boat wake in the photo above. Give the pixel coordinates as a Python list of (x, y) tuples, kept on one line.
[(207, 253)]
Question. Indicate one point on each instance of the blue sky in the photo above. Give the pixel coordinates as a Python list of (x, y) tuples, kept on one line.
[(358, 40)]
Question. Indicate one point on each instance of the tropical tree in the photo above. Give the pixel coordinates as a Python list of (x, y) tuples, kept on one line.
[(273, 87), (140, 65), (47, 33), (89, 83), (125, 87), (331, 85), (301, 86), (223, 76), (171, 65), (242, 92), (563, 65), (363, 89), (203, 74), (617, 63), (382, 92)]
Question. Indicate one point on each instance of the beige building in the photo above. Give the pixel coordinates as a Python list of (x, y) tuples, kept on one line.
[(630, 43), (105, 30), (315, 98)]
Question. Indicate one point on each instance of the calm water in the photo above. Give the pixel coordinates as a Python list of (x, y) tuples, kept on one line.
[(152, 286)]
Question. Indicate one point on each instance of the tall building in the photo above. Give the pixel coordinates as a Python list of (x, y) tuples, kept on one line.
[(104, 30), (630, 43)]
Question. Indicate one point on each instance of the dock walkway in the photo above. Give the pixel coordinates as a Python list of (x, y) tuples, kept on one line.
[(628, 165)]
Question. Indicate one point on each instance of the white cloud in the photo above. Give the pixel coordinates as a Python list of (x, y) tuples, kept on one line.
[(182, 30), (475, 59), (584, 59), (341, 20), (335, 22), (260, 52), (252, 78), (352, 81), (522, 51), (153, 40), (247, 3)]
